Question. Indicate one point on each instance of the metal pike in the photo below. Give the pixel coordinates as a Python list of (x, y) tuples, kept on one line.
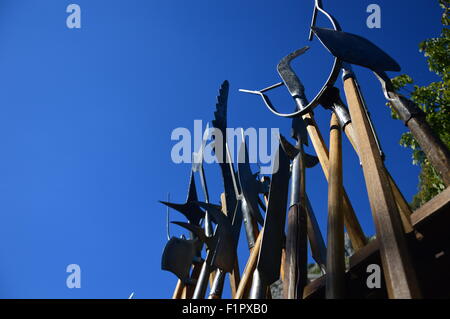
[(234, 208), (296, 241)]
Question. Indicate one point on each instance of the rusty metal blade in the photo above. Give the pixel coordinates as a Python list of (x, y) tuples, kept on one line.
[(354, 49)]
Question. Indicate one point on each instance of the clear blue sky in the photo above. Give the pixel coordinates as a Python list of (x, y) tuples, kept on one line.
[(86, 117)]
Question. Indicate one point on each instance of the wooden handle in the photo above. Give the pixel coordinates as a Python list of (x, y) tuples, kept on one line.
[(296, 264), (334, 288), (397, 268), (250, 267), (352, 225), (402, 204), (177, 294)]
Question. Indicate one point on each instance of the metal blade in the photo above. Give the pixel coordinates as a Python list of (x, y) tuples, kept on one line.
[(291, 80), (220, 123), (355, 49), (249, 184), (189, 209), (269, 259)]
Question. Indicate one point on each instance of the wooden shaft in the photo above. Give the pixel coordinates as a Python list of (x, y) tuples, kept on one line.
[(352, 225), (334, 288), (296, 264), (250, 267), (399, 273), (178, 290), (402, 204)]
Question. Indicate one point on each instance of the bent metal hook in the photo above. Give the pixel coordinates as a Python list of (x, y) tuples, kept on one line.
[(307, 107)]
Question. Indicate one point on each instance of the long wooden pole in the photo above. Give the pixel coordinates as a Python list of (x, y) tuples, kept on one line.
[(352, 225), (334, 288), (250, 267), (399, 273)]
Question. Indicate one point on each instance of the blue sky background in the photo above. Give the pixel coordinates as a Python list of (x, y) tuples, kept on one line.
[(86, 117)]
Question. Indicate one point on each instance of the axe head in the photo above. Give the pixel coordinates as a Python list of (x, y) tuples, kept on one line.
[(355, 49), (178, 256), (269, 259)]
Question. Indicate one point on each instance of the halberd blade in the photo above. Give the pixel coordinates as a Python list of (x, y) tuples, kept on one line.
[(269, 260), (354, 49), (224, 253), (189, 209)]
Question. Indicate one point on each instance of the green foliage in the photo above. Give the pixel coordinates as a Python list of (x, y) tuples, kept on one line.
[(434, 100)]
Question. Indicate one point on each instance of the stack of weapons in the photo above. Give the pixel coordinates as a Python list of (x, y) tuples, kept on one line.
[(279, 251)]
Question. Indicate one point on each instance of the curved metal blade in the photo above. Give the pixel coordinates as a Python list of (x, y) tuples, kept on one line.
[(269, 260), (354, 49), (178, 256), (290, 79)]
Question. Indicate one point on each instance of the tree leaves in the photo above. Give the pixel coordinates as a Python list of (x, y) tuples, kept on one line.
[(434, 100)]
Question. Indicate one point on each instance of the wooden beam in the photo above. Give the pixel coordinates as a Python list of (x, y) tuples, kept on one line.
[(438, 203)]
